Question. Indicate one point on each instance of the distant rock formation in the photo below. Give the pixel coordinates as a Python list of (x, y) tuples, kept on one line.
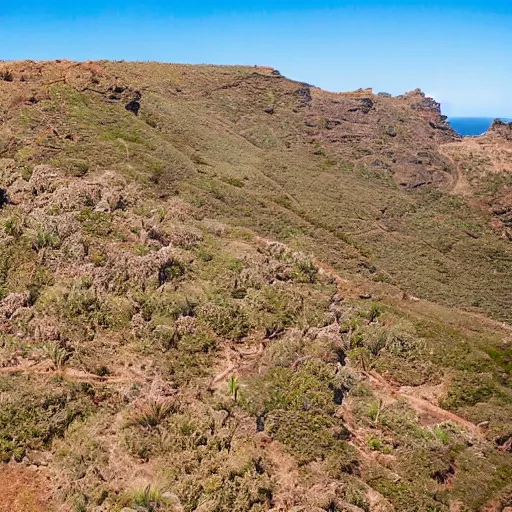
[(501, 129), (429, 109)]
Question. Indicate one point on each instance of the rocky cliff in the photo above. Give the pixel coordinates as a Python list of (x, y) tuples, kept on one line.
[(501, 129)]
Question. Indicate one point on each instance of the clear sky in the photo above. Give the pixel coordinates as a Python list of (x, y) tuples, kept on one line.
[(459, 51)]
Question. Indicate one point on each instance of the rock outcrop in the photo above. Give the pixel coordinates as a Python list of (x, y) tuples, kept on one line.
[(501, 129)]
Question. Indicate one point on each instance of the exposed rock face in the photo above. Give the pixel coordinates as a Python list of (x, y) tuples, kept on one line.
[(427, 105), (408, 127), (134, 105), (430, 109), (501, 128), (364, 105), (304, 93)]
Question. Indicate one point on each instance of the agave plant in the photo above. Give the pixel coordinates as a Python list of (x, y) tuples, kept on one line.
[(56, 353), (152, 413)]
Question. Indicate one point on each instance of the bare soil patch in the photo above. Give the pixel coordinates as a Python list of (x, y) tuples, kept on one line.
[(23, 490)]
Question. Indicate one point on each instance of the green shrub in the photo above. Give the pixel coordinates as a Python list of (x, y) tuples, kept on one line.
[(13, 227), (233, 387), (81, 301), (77, 167), (226, 319), (235, 182), (275, 309), (309, 436), (98, 258), (441, 434), (151, 500), (468, 389), (152, 413), (373, 313), (150, 121), (46, 239), (95, 223), (308, 388), (306, 271), (7, 76), (56, 353), (205, 255), (170, 271), (198, 342), (31, 420)]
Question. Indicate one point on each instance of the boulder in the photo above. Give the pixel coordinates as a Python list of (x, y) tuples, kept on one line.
[(4, 197), (134, 105), (304, 94)]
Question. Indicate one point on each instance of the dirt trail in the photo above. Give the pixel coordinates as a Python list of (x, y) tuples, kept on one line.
[(458, 183), (327, 269), (429, 412), (47, 368), (236, 360)]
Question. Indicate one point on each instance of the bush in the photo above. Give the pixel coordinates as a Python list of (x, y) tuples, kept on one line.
[(78, 168), (30, 420), (13, 227), (56, 353), (468, 389), (151, 414), (305, 271), (46, 239), (275, 309), (310, 436), (95, 223), (81, 301), (373, 313), (199, 342), (235, 182), (150, 500), (226, 320), (170, 271), (285, 389), (7, 76)]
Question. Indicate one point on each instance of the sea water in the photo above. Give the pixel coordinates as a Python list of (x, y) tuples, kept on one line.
[(471, 125)]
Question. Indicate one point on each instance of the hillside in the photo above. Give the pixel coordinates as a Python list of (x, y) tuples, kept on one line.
[(226, 290)]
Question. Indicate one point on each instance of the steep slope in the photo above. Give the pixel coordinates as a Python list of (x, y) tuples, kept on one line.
[(485, 174), (206, 279)]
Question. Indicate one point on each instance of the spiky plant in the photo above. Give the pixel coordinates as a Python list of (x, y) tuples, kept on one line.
[(56, 353), (233, 387), (152, 413)]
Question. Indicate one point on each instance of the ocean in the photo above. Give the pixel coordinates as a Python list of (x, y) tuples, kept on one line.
[(471, 125)]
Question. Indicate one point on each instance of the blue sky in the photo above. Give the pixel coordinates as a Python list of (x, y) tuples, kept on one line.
[(459, 51)]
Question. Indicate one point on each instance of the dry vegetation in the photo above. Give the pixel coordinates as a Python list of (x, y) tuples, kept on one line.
[(209, 281)]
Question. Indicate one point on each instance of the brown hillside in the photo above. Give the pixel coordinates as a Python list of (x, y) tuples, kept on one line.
[(221, 289)]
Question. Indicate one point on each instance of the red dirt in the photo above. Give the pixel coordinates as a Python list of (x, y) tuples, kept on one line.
[(23, 490)]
